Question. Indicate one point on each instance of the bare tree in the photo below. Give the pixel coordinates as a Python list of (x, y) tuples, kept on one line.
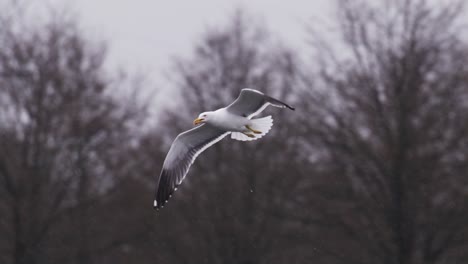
[(388, 131), (63, 135), (223, 206)]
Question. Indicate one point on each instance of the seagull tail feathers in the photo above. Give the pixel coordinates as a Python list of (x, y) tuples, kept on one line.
[(262, 125)]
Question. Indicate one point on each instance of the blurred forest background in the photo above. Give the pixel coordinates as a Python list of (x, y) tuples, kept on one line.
[(371, 168)]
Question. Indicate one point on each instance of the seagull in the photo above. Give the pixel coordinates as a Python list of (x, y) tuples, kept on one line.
[(210, 128)]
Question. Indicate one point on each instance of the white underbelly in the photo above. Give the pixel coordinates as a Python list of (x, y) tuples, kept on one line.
[(229, 122)]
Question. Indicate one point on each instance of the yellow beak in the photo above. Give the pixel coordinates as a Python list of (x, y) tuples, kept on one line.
[(198, 121)]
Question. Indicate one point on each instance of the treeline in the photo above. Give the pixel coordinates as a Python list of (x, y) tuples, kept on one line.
[(370, 168)]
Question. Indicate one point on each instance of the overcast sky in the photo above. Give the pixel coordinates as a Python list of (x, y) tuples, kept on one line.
[(146, 34)]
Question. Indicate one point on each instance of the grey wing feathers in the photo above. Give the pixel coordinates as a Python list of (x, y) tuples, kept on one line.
[(251, 102), (183, 152)]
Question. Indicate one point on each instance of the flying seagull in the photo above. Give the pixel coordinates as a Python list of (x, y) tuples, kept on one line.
[(211, 127)]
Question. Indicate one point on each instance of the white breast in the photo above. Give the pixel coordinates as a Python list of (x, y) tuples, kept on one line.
[(227, 121)]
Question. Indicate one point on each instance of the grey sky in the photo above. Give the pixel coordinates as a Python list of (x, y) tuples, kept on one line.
[(145, 34)]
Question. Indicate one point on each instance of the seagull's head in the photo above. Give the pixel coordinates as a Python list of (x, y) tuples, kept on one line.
[(202, 118)]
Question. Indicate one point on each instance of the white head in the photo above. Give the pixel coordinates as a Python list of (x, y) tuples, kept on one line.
[(203, 118)]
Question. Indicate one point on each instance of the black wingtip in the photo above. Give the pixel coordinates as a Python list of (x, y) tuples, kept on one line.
[(155, 205), (158, 205), (290, 107)]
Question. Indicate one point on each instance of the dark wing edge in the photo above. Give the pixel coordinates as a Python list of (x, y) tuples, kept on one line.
[(171, 177), (278, 103), (251, 102)]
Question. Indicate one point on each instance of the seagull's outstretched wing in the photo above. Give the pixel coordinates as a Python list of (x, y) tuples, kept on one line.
[(251, 102), (183, 152)]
